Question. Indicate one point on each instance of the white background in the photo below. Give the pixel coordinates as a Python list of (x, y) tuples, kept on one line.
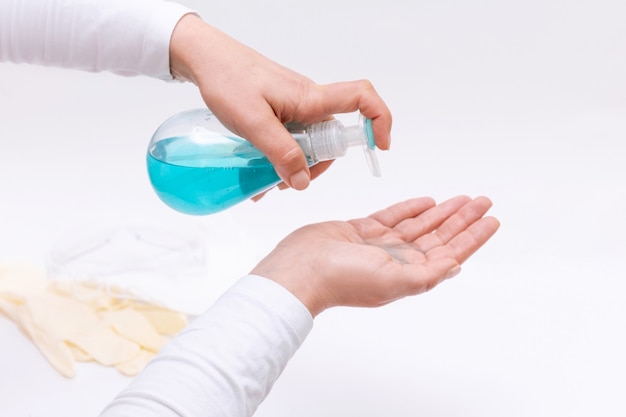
[(524, 102)]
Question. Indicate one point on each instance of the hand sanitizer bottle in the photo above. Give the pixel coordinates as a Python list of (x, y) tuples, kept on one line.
[(197, 166)]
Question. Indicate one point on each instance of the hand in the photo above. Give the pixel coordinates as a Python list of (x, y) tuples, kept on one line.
[(403, 250), (254, 97)]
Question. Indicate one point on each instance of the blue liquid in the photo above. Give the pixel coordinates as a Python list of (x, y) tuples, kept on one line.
[(196, 177)]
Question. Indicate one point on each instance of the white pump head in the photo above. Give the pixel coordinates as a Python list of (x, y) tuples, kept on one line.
[(330, 140)]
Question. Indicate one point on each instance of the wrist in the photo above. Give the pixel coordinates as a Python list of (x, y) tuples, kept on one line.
[(185, 45), (297, 282)]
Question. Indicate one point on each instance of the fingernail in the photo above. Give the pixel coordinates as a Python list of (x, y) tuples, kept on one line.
[(299, 180), (453, 272)]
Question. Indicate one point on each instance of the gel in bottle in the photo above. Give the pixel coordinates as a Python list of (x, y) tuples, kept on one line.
[(197, 166)]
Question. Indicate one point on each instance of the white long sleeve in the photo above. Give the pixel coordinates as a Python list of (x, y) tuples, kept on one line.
[(226, 361), (127, 37)]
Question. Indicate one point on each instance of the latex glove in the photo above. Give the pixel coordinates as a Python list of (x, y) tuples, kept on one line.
[(81, 321)]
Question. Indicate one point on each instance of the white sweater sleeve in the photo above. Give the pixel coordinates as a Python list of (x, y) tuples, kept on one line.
[(127, 37), (226, 361)]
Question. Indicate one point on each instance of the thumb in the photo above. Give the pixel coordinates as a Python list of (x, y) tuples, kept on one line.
[(424, 277), (273, 139)]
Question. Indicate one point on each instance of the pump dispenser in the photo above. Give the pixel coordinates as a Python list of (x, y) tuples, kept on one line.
[(197, 166)]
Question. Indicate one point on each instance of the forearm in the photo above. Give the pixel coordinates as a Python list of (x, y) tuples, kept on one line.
[(127, 37), (226, 361)]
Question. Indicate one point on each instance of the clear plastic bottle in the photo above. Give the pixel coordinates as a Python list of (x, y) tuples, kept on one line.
[(197, 166)]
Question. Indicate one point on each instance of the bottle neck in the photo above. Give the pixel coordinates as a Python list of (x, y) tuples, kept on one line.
[(354, 136)]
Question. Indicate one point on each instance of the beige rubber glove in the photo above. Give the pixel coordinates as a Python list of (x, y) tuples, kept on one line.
[(81, 321)]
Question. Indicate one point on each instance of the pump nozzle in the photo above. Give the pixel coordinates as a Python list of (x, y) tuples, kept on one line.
[(369, 145)]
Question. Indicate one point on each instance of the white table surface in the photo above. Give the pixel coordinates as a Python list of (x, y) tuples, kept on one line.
[(524, 102)]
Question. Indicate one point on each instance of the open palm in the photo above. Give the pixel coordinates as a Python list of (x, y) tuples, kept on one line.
[(405, 249)]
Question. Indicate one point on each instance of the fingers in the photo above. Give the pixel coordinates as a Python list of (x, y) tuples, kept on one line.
[(457, 222), (392, 215), (424, 223), (319, 168), (274, 141), (462, 233), (469, 241), (270, 136), (457, 238), (316, 170), (346, 97), (285, 157)]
